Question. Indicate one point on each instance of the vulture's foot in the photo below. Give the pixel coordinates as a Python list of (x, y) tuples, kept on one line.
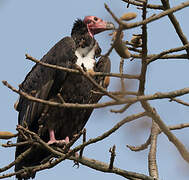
[(59, 142)]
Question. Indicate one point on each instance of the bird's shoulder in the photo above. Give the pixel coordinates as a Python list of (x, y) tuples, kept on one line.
[(62, 54)]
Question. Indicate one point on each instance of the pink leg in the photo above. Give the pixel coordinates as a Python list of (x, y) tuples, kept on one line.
[(54, 141), (52, 137)]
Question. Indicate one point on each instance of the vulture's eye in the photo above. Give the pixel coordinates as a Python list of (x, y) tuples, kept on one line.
[(95, 18)]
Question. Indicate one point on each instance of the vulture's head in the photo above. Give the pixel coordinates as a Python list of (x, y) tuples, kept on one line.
[(92, 25)]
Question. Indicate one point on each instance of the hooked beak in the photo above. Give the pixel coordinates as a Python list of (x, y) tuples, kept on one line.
[(100, 27)]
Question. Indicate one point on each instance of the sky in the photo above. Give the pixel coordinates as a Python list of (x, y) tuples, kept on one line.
[(33, 27)]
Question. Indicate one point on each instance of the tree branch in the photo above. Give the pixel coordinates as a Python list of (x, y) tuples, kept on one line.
[(150, 19), (180, 147), (152, 164), (128, 76), (167, 52), (157, 95), (100, 166), (176, 25), (150, 6)]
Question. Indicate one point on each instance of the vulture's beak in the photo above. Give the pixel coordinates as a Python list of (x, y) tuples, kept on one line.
[(96, 25), (101, 26)]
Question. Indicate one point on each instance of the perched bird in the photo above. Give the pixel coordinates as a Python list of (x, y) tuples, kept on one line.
[(59, 125)]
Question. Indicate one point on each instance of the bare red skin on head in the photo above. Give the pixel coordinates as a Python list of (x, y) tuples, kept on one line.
[(95, 25)]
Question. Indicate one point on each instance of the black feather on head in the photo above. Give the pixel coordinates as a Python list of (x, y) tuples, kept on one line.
[(79, 27)]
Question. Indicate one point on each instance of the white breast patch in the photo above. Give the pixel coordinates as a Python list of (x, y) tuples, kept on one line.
[(85, 57)]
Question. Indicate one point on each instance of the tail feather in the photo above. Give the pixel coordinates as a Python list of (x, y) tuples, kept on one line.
[(33, 158)]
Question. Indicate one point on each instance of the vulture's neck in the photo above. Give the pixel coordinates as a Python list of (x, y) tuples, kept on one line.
[(86, 46)]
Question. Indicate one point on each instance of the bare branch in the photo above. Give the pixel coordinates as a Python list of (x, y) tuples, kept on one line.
[(128, 76), (151, 6), (150, 19), (71, 152), (144, 52), (179, 126), (84, 140), (167, 52), (110, 103), (112, 158), (152, 113), (148, 141), (99, 87), (179, 101), (100, 166), (121, 64), (112, 130), (8, 144), (141, 147), (176, 25), (18, 159), (152, 164), (123, 109), (173, 56)]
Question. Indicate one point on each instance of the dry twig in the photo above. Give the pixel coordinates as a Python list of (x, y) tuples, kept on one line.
[(152, 164), (112, 158)]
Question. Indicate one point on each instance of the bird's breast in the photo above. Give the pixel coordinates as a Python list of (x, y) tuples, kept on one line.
[(85, 57)]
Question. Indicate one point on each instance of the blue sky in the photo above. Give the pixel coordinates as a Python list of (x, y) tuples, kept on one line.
[(33, 27)]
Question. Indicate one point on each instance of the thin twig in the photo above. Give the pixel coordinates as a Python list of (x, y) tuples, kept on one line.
[(40, 141), (84, 140), (128, 76), (141, 147), (144, 53), (17, 144), (121, 72), (18, 159), (123, 109), (167, 52), (92, 163), (112, 130), (147, 143), (71, 152), (61, 98), (150, 19), (179, 126), (179, 101), (180, 147), (176, 25), (158, 95), (152, 164), (151, 6), (101, 166), (112, 158), (172, 56), (99, 87)]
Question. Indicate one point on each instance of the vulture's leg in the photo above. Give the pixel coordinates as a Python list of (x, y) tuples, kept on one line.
[(54, 141)]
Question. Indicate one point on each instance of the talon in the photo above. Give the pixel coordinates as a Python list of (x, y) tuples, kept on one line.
[(52, 142), (58, 142)]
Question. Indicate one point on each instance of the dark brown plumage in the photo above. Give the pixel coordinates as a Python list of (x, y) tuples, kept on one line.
[(45, 83)]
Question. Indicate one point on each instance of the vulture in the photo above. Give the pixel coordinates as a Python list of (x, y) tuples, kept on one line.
[(59, 125)]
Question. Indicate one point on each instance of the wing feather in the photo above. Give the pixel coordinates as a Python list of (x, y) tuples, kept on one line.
[(43, 82)]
